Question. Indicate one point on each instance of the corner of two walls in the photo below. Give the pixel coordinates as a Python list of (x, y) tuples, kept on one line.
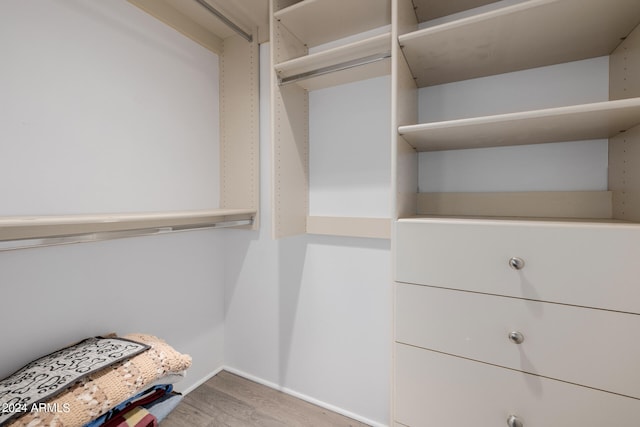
[(310, 315)]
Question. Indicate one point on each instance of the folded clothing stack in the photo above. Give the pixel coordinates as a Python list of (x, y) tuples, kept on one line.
[(103, 381), (146, 409)]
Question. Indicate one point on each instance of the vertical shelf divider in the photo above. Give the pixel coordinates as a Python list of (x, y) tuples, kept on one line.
[(290, 137), (404, 110), (239, 125), (624, 149)]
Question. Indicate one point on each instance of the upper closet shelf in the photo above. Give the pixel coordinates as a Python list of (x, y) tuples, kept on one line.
[(427, 10), (315, 22), (210, 22), (527, 35), (100, 226), (573, 123), (344, 64)]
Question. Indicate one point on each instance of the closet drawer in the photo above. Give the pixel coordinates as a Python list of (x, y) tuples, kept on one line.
[(433, 389), (593, 265), (590, 347)]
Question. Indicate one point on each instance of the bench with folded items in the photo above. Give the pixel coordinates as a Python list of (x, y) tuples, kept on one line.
[(99, 382)]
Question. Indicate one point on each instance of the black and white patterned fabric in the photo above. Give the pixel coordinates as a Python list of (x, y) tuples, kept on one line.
[(44, 378)]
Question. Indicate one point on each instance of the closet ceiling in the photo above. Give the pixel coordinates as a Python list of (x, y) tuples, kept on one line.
[(192, 19), (247, 14)]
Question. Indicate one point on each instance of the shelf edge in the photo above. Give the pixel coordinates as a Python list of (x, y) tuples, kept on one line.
[(485, 16), (600, 120), (376, 228), (43, 227), (545, 112), (355, 18), (541, 204)]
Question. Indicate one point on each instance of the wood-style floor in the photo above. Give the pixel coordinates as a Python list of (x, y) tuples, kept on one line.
[(230, 400)]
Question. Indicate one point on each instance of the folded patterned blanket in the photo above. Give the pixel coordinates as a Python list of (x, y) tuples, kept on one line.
[(31, 387), (99, 392)]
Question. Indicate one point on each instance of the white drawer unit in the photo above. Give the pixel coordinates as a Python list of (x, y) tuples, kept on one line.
[(594, 348), (585, 264), (516, 323), (433, 389)]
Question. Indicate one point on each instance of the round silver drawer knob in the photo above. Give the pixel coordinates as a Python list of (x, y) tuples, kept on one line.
[(516, 337), (516, 263), (514, 421)]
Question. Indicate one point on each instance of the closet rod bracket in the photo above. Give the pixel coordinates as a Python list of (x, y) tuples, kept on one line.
[(228, 22), (282, 81)]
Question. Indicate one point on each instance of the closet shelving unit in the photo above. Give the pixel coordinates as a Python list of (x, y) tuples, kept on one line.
[(527, 35), (297, 28), (236, 43), (480, 277)]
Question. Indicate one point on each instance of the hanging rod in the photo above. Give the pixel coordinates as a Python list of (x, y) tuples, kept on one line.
[(333, 68), (229, 23), (13, 245)]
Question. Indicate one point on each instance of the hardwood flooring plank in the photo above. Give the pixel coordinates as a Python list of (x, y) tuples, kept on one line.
[(185, 415), (223, 407), (230, 400), (280, 405)]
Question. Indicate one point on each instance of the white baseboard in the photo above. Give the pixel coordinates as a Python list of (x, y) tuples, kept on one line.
[(202, 380), (303, 397)]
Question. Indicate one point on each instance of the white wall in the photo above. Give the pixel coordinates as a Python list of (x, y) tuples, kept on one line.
[(349, 167), (310, 314), (104, 109), (169, 286)]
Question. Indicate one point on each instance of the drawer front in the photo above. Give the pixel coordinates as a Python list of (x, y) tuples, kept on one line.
[(595, 348), (582, 264), (433, 389)]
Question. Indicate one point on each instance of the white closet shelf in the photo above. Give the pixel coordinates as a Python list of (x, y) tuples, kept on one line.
[(344, 64), (563, 222), (43, 227), (578, 205), (315, 22), (573, 123), (527, 35), (376, 228), (432, 9)]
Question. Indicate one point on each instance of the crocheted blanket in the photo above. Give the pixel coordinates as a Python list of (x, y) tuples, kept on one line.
[(101, 391), (50, 375)]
